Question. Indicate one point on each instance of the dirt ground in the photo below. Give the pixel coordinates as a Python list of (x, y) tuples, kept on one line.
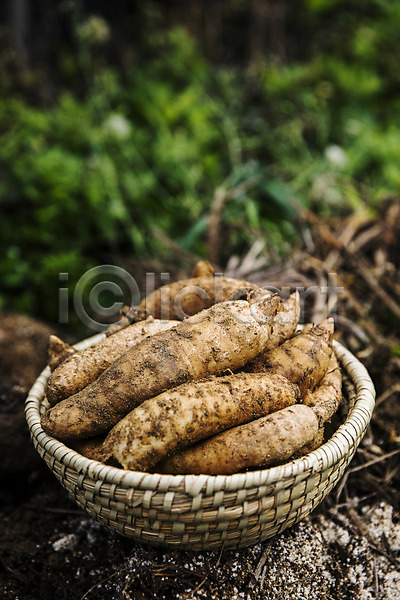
[(349, 547)]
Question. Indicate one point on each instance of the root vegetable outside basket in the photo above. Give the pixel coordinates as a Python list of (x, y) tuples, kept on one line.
[(192, 412), (84, 367), (264, 442), (225, 336)]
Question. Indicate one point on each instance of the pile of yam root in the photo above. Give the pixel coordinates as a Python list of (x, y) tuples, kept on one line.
[(208, 375)]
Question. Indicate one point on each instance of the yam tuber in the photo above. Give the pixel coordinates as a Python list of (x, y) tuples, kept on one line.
[(203, 269), (188, 297), (225, 336), (315, 443), (83, 367), (285, 323), (325, 399), (128, 316), (303, 359), (267, 441), (58, 351), (89, 447), (194, 411)]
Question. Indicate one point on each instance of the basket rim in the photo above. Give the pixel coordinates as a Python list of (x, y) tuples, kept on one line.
[(324, 457)]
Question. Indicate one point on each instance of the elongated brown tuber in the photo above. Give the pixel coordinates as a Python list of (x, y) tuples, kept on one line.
[(194, 411), (58, 351), (264, 442), (188, 297), (326, 398), (303, 359), (81, 368)]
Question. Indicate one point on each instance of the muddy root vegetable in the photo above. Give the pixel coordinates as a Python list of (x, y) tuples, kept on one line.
[(303, 359), (285, 323), (188, 297), (89, 447), (81, 368), (267, 441), (326, 397), (225, 336), (315, 443), (203, 269), (286, 319), (192, 412), (304, 329), (58, 351), (129, 315)]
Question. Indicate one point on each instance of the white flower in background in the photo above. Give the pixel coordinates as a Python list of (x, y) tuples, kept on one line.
[(94, 30), (117, 126), (336, 156)]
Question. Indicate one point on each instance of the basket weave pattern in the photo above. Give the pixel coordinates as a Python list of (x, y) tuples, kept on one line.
[(200, 512)]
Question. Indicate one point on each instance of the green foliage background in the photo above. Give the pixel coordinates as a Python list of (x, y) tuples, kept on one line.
[(124, 149)]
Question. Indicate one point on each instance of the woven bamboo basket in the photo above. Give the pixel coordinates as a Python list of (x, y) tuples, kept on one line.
[(199, 512)]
